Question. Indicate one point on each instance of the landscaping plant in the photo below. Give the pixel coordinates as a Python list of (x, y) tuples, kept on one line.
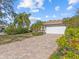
[(68, 44)]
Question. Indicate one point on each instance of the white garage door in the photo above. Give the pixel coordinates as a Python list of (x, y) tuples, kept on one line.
[(55, 30)]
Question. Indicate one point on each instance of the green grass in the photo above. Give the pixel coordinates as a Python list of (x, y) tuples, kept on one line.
[(55, 56), (37, 33), (4, 39)]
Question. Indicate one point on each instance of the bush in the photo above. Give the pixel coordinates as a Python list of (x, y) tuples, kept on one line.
[(22, 30), (37, 33), (11, 30), (62, 42), (69, 43), (72, 32)]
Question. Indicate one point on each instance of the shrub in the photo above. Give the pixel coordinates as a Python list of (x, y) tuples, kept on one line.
[(69, 43), (11, 30), (72, 32), (37, 33), (22, 30), (62, 42)]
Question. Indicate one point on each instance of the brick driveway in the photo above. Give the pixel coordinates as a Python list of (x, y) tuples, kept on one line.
[(40, 47)]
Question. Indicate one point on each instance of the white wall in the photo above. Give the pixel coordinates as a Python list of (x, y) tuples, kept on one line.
[(55, 29)]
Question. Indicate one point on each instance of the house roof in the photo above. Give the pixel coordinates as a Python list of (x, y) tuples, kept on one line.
[(54, 22)]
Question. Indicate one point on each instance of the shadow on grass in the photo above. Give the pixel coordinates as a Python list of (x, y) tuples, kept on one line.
[(4, 39)]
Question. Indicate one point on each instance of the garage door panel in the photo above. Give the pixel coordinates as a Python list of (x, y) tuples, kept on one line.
[(55, 30)]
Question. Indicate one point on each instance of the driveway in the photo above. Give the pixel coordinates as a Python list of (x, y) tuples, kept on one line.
[(40, 47)]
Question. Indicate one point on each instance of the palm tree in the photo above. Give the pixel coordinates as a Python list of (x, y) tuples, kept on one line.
[(22, 20), (37, 26)]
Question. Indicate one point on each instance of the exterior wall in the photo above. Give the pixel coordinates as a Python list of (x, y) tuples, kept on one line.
[(55, 29)]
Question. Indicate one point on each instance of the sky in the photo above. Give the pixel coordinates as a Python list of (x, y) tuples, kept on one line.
[(45, 10)]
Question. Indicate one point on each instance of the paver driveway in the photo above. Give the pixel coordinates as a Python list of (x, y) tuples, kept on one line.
[(40, 47)]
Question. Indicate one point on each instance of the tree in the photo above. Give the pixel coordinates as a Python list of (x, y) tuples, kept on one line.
[(6, 8), (37, 26), (22, 20), (1, 14), (1, 21), (72, 22)]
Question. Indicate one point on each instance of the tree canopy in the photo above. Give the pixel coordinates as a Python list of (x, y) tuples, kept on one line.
[(72, 22), (22, 20), (37, 26), (6, 8)]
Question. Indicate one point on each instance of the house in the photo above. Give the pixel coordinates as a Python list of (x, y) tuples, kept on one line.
[(54, 27)]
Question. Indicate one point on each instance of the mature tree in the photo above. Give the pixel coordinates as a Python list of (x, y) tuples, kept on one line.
[(6, 8), (72, 22), (22, 20), (1, 20), (37, 26)]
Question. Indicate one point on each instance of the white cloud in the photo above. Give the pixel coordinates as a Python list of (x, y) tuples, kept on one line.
[(50, 0), (35, 10), (73, 1), (34, 18), (69, 7), (25, 3), (32, 4), (46, 16), (38, 18), (57, 8), (2, 11)]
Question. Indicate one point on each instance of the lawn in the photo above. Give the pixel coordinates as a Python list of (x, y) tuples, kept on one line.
[(55, 56), (12, 38)]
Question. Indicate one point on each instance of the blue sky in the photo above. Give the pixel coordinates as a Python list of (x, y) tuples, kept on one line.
[(47, 9)]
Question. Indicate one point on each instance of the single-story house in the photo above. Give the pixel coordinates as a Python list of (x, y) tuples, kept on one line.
[(54, 27)]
